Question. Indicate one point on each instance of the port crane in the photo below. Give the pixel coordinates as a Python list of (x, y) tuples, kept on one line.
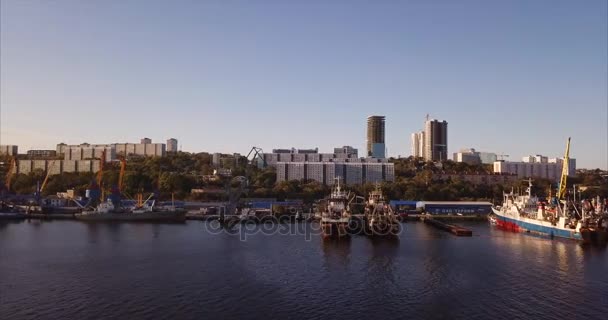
[(9, 173), (564, 179), (46, 178)]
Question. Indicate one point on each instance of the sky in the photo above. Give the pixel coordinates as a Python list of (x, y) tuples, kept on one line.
[(511, 77)]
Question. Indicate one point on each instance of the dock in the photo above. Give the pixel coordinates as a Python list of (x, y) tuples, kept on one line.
[(457, 230)]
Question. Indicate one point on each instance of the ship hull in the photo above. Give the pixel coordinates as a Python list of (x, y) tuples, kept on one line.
[(382, 228), (334, 229), (534, 226), (158, 216)]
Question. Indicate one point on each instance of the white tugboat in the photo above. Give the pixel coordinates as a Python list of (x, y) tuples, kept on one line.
[(335, 215), (380, 220)]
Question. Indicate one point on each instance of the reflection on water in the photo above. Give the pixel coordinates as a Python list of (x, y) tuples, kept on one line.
[(73, 270)]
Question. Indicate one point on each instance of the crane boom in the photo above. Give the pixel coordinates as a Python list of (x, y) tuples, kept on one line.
[(9, 174), (123, 166), (564, 179), (46, 178)]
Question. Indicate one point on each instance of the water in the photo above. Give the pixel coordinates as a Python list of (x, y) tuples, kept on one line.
[(73, 270)]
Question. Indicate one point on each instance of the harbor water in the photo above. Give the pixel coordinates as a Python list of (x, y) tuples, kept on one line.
[(74, 270)]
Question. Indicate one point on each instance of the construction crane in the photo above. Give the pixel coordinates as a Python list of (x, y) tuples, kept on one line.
[(100, 173), (9, 173), (46, 178), (123, 166), (564, 179), (258, 153)]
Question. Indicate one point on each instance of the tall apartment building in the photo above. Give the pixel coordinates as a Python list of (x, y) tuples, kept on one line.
[(376, 147), (418, 144), (435, 140), (9, 150), (172, 145)]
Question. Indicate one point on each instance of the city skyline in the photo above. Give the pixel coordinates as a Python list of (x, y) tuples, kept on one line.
[(212, 71)]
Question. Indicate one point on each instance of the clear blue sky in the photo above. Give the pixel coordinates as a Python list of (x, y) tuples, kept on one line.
[(516, 77)]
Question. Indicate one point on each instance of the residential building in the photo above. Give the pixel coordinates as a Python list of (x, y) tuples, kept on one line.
[(41, 153), (57, 166), (435, 140), (85, 151), (10, 150), (376, 147), (346, 152), (326, 172), (172, 145), (418, 144), (471, 156), (551, 169)]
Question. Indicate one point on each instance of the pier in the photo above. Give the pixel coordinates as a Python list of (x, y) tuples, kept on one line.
[(457, 230)]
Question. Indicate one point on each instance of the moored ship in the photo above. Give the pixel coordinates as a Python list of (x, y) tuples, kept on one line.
[(525, 213), (335, 214), (380, 220)]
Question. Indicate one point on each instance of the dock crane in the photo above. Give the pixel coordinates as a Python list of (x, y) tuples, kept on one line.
[(123, 166), (9, 173), (46, 178), (564, 179)]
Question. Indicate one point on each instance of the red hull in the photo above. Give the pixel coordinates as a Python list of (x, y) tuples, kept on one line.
[(508, 226)]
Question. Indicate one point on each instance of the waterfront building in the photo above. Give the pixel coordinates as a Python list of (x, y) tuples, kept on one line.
[(9, 150), (376, 147)]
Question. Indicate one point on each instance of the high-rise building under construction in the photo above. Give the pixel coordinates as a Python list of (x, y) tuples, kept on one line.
[(375, 137)]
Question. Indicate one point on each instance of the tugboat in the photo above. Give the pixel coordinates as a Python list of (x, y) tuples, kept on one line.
[(335, 214), (380, 220)]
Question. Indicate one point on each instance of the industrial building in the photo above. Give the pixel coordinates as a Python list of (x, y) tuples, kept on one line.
[(9, 150), (376, 147)]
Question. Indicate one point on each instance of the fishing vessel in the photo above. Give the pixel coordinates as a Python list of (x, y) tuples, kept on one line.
[(110, 210), (526, 213), (380, 220), (335, 214)]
